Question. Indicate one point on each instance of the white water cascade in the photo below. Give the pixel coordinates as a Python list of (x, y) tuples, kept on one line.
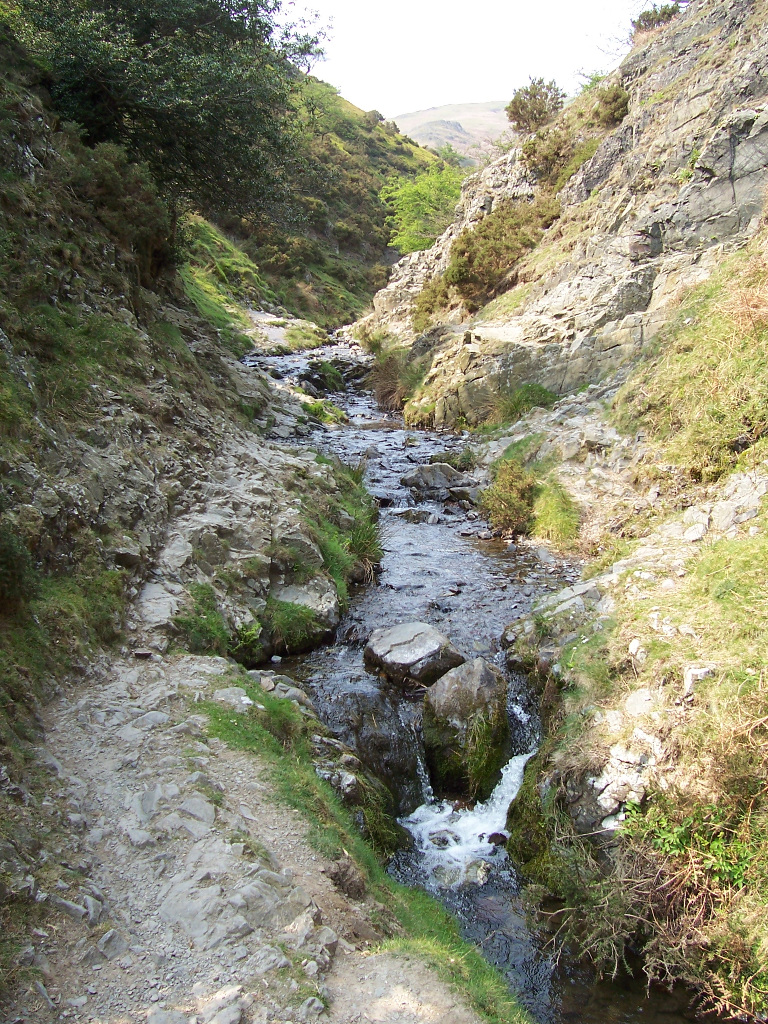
[(454, 844)]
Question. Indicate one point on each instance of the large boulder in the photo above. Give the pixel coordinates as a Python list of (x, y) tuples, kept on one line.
[(466, 729), (413, 651), (437, 480)]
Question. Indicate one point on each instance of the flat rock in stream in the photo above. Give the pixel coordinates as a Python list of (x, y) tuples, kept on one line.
[(413, 650)]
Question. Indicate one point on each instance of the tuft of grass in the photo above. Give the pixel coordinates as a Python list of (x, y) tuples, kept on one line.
[(203, 626), (396, 376), (293, 627), (510, 404), (509, 501), (324, 410), (555, 513)]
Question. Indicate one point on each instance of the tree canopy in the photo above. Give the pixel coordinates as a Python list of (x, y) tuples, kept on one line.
[(422, 207), (199, 90), (534, 104)]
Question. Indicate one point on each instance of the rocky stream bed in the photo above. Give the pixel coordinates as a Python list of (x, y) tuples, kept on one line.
[(443, 568)]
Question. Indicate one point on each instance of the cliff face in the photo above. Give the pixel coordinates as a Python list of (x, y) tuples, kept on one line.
[(677, 183)]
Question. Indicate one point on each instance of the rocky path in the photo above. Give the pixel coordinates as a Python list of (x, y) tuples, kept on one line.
[(193, 896)]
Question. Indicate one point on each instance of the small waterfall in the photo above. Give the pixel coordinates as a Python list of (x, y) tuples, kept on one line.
[(454, 844)]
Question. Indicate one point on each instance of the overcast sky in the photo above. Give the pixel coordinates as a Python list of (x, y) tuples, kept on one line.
[(406, 55)]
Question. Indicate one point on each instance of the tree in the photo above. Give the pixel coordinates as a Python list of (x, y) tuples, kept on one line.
[(534, 104), (200, 90), (422, 207), (654, 17)]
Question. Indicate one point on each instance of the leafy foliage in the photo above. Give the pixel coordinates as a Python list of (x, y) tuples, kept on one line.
[(196, 89), (422, 207), (535, 104)]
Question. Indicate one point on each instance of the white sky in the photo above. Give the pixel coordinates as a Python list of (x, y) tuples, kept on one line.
[(403, 55)]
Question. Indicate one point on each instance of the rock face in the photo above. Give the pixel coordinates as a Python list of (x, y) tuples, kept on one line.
[(466, 729), (679, 181), (412, 652)]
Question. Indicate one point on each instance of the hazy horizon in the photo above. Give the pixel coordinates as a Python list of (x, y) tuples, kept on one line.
[(416, 54)]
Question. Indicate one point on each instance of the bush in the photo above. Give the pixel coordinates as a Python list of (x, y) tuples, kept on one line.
[(18, 579), (613, 104), (654, 17), (422, 207), (509, 500), (535, 104), (434, 296), (481, 259)]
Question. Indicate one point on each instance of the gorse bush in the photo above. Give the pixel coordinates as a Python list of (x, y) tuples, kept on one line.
[(482, 258), (613, 104), (654, 17), (535, 104), (508, 502)]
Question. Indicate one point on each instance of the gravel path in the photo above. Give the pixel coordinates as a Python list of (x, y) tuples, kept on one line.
[(196, 898)]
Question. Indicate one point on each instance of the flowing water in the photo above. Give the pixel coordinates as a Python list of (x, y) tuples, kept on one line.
[(439, 567)]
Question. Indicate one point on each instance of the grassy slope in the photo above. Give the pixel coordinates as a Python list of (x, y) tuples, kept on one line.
[(327, 264), (689, 881)]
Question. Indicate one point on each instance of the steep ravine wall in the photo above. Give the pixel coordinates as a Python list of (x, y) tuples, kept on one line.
[(677, 183)]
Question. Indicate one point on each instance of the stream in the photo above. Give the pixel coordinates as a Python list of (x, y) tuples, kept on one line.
[(440, 567)]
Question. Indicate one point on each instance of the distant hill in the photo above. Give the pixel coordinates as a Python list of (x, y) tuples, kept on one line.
[(466, 126)]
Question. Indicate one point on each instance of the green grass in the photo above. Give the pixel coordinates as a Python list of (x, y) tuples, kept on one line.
[(301, 337), (702, 394), (293, 627), (432, 935), (511, 404), (324, 410), (203, 626), (555, 513)]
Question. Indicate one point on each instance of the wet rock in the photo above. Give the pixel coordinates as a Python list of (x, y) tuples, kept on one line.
[(412, 651), (466, 729), (437, 480)]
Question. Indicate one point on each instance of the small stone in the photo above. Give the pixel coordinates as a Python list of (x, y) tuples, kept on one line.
[(694, 674), (151, 720), (637, 651), (112, 944), (73, 910), (198, 807), (95, 910), (310, 1009)]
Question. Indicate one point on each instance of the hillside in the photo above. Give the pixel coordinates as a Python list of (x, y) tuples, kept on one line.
[(468, 127), (328, 259)]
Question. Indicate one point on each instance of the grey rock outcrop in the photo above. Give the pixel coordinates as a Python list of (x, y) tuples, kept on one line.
[(412, 652), (679, 182)]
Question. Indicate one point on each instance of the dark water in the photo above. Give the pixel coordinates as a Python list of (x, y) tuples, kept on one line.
[(437, 569)]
